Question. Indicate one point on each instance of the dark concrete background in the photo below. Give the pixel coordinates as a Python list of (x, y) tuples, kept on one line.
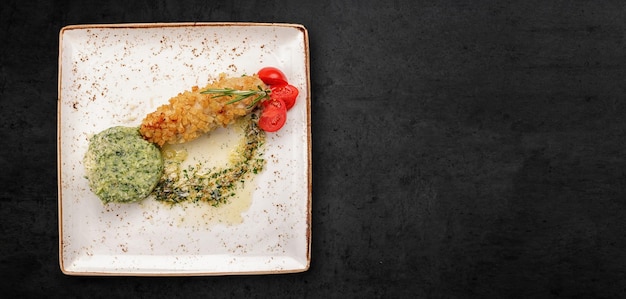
[(460, 150)]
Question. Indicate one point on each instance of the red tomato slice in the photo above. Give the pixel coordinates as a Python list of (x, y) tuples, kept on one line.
[(272, 120), (287, 93), (272, 76)]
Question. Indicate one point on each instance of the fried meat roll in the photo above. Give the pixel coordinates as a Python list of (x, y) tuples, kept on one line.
[(190, 114)]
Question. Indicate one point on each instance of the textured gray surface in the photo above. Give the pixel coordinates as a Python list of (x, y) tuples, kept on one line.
[(460, 150)]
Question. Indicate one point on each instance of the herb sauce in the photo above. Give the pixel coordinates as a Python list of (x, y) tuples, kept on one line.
[(215, 185)]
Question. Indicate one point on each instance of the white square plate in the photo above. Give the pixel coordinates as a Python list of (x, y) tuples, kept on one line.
[(114, 75)]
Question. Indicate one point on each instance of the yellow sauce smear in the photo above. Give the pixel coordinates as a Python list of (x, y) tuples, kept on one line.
[(220, 149), (201, 214)]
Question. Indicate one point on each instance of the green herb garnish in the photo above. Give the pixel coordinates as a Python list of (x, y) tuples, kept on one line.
[(239, 94)]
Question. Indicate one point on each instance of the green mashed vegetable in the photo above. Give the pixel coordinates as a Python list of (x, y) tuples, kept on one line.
[(121, 166)]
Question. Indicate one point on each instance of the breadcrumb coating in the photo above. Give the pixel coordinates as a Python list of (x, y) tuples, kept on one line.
[(190, 114)]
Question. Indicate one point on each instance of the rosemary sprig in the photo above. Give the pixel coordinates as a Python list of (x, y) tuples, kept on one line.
[(239, 94)]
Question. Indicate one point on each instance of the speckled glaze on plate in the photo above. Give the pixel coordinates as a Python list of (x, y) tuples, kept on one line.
[(114, 75)]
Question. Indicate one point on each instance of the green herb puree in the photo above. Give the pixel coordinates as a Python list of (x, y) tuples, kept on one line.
[(121, 166)]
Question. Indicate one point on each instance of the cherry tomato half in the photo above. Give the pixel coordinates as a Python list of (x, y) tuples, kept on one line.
[(273, 117), (272, 76), (287, 93), (276, 104)]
